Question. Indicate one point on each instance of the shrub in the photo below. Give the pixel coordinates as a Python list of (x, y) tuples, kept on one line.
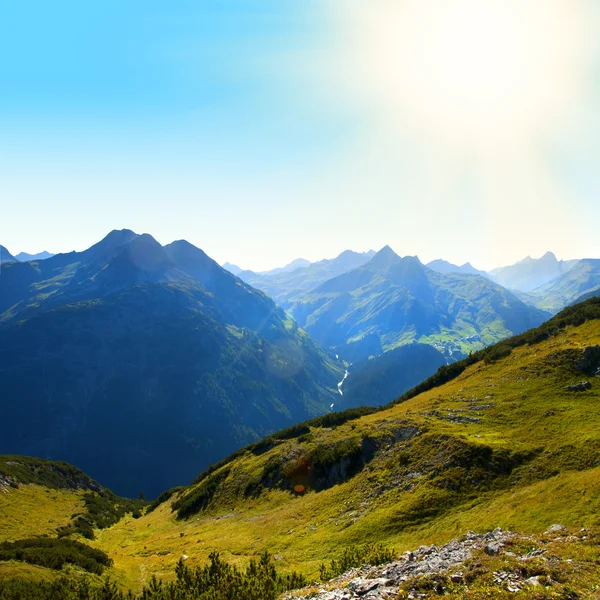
[(370, 554), (54, 553)]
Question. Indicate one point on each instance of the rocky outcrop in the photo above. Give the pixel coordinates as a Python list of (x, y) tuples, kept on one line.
[(589, 361), (379, 583)]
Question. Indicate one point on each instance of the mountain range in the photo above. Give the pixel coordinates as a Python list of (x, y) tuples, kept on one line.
[(183, 361), (489, 470), (25, 256), (581, 279), (390, 301), (143, 363), (531, 273), (443, 266), (287, 286)]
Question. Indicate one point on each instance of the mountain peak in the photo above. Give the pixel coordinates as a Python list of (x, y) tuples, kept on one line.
[(6, 256), (119, 236), (25, 256), (234, 269), (549, 256), (385, 257)]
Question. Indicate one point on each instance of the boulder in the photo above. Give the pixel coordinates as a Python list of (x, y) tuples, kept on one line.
[(579, 387)]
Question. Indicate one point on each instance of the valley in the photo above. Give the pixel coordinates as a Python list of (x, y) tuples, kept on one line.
[(497, 441)]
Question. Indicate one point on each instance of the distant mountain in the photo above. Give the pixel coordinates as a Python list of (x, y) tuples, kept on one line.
[(232, 268), (580, 281), (144, 364), (6, 256), (286, 287), (443, 266), (531, 273), (390, 301), (298, 263), (24, 256), (384, 378)]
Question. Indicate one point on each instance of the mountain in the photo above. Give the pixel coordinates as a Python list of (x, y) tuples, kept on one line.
[(583, 278), (499, 439), (298, 263), (234, 269), (531, 273), (504, 441), (443, 266), (142, 363), (383, 378), (286, 287), (24, 256), (6, 256), (390, 301)]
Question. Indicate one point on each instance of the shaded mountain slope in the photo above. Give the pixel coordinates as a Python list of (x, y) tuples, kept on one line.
[(6, 256), (381, 379), (142, 363)]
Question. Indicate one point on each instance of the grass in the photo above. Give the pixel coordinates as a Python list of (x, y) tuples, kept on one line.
[(529, 456), (501, 444), (36, 510)]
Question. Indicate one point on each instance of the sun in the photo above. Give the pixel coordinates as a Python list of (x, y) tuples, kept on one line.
[(470, 73)]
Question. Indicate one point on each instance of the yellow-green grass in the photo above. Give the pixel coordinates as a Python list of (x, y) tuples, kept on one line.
[(13, 569), (531, 412), (31, 510)]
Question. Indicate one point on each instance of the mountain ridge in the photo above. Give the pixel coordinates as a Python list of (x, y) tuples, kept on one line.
[(131, 331)]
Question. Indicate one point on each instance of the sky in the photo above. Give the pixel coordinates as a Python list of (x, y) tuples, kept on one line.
[(263, 131)]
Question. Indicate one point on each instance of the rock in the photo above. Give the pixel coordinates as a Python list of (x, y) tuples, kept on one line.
[(579, 387), (532, 581), (493, 548), (362, 586), (456, 578), (556, 528), (590, 360)]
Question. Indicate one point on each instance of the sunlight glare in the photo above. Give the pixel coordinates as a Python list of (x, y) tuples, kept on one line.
[(470, 73)]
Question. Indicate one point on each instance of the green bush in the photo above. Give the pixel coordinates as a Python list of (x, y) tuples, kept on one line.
[(215, 581), (370, 554), (200, 497), (54, 553)]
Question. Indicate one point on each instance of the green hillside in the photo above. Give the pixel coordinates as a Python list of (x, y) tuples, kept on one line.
[(508, 437)]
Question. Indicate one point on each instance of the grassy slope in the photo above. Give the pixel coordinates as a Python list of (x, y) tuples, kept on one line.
[(36, 510), (542, 445)]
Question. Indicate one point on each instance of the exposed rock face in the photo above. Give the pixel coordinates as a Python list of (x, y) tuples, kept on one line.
[(590, 360), (379, 583)]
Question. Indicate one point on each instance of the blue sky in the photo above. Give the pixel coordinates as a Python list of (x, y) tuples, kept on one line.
[(262, 131)]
